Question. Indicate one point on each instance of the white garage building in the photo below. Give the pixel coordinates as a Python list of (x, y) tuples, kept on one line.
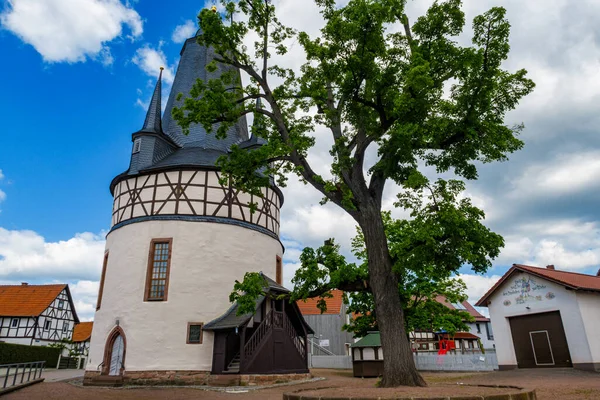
[(544, 318)]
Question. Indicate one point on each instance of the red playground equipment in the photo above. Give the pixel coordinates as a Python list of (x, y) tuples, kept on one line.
[(445, 345)]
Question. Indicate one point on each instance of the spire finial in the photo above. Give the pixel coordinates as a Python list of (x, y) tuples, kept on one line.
[(213, 9), (153, 122)]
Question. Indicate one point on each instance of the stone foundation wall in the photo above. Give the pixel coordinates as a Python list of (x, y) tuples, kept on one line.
[(197, 378)]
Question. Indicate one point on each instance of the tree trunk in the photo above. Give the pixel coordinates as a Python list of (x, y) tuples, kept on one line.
[(398, 364)]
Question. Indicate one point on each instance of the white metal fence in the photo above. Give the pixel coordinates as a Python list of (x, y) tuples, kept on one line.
[(456, 362), (424, 362), (333, 362)]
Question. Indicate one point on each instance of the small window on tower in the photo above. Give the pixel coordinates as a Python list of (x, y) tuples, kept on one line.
[(278, 270), (194, 333), (137, 144)]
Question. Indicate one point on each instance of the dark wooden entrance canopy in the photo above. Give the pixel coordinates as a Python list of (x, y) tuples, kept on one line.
[(272, 340)]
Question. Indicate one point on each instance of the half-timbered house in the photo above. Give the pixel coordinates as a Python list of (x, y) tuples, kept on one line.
[(36, 314), (82, 335), (180, 236)]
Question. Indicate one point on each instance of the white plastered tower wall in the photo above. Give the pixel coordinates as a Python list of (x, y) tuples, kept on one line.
[(564, 301), (206, 260)]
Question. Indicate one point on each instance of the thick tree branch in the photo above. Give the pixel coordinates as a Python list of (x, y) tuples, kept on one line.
[(349, 287)]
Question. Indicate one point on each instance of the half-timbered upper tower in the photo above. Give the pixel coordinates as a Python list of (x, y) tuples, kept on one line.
[(178, 241)]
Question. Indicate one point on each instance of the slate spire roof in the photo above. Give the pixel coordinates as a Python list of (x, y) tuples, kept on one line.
[(255, 141), (153, 121), (170, 147), (192, 66)]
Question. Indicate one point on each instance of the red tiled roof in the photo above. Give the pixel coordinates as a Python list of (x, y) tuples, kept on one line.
[(82, 331), (571, 280), (469, 308), (27, 300), (334, 304)]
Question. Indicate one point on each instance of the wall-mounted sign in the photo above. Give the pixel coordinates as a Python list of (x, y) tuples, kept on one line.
[(324, 342)]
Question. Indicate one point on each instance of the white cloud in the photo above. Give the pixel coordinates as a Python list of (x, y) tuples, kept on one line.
[(568, 244), (85, 294), (2, 193), (70, 30), (27, 255), (184, 31), (478, 285), (564, 174), (150, 60)]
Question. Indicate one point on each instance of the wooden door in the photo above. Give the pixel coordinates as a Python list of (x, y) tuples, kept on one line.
[(116, 356), (540, 341)]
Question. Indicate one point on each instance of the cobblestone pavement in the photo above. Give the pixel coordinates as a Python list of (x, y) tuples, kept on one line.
[(550, 384), (57, 375)]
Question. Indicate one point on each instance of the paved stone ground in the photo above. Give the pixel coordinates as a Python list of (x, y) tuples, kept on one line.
[(57, 375), (550, 384)]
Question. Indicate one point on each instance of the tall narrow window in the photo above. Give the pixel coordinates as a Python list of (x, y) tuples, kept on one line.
[(15, 322), (278, 271), (159, 263), (104, 264), (47, 325), (194, 333)]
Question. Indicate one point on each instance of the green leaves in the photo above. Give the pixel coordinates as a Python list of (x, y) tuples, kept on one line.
[(371, 80)]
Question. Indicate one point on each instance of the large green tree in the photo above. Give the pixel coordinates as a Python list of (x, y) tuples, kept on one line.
[(414, 93)]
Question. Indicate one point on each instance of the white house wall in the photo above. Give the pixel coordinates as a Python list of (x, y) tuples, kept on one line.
[(206, 260), (483, 335), (589, 306), (507, 302)]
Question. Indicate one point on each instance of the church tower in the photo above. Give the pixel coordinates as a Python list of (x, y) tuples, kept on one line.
[(178, 241)]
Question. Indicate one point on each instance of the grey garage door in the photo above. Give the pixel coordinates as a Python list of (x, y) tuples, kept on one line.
[(540, 341)]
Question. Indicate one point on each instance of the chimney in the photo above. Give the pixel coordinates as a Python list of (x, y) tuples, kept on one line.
[(24, 283), (598, 273), (551, 266)]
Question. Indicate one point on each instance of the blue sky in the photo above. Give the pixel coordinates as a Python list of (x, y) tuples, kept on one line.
[(67, 126), (75, 84)]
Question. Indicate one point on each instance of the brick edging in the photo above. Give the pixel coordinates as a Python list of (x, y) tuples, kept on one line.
[(524, 395)]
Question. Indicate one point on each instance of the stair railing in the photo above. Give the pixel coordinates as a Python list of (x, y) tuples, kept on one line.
[(257, 337), (321, 348), (288, 327)]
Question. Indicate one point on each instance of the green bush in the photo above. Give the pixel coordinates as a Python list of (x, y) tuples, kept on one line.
[(18, 353)]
